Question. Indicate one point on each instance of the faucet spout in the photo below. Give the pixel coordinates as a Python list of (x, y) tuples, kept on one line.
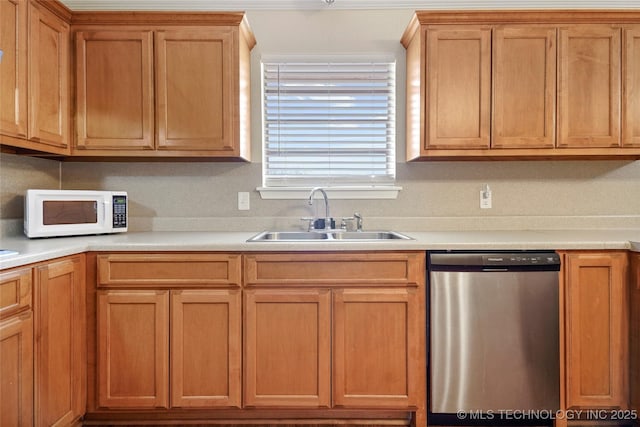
[(324, 195)]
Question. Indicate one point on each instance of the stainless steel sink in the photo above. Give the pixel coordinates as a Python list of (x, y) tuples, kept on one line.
[(326, 235)]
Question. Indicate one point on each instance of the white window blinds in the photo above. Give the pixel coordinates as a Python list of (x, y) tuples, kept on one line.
[(328, 123)]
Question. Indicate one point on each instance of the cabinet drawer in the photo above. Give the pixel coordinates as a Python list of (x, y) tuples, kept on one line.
[(15, 291), (169, 270), (338, 268)]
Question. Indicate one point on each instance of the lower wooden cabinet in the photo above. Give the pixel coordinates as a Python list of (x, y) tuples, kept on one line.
[(634, 318), (335, 330), (287, 348), (133, 349), (16, 348), (376, 347), (60, 351), (148, 339), (596, 329)]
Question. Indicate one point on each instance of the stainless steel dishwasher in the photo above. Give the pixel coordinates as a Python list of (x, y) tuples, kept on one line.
[(494, 332)]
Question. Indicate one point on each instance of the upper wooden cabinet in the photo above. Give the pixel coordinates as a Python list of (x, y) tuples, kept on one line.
[(631, 87), (34, 98), (524, 87), (589, 86), (458, 87), (484, 85), (114, 90), (151, 88)]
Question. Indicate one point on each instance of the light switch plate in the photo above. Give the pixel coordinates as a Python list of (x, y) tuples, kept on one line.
[(243, 201)]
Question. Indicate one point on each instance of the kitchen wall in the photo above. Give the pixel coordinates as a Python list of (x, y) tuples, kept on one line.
[(435, 195)]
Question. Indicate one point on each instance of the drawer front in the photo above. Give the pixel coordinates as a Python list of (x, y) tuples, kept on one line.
[(338, 269), (15, 291), (169, 270)]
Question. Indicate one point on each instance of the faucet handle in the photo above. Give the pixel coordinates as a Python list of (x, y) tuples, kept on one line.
[(358, 218)]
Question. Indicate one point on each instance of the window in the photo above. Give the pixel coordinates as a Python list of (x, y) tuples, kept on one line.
[(328, 124)]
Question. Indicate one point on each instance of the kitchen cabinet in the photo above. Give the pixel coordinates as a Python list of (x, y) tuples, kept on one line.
[(60, 352), (458, 87), (13, 85), (634, 327), (595, 329), (16, 348), (114, 90), (589, 86), (358, 319), (631, 90), (524, 87), (35, 68), (181, 90), (288, 348), (484, 85), (156, 347), (133, 349)]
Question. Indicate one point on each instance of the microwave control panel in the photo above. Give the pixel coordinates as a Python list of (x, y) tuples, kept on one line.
[(119, 211)]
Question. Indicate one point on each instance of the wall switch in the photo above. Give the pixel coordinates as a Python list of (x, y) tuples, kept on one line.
[(243, 201), (485, 197)]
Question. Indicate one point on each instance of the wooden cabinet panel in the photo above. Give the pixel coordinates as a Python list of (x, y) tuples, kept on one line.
[(631, 90), (133, 349), (15, 291), (376, 348), (206, 345), (48, 78), (16, 371), (596, 330), (196, 87), (287, 347), (335, 269), (524, 87), (634, 318), (458, 71), (114, 90), (589, 86), (60, 354), (169, 270), (13, 68)]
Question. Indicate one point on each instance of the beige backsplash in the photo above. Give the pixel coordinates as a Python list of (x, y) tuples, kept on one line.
[(529, 195)]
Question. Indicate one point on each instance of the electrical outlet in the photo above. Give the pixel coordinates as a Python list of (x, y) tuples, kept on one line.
[(243, 201), (485, 197)]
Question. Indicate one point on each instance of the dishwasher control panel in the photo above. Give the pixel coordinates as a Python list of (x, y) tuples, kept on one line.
[(494, 259)]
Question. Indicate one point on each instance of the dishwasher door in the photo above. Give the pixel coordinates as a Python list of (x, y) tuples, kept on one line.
[(494, 341)]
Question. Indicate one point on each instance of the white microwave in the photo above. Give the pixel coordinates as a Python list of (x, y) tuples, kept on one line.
[(49, 213)]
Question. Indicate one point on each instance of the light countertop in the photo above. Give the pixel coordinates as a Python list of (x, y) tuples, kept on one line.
[(36, 250)]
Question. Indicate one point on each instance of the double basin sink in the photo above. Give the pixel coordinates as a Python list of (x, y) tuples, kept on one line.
[(327, 235)]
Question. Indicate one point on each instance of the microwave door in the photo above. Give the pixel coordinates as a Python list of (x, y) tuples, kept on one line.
[(59, 212), (71, 215)]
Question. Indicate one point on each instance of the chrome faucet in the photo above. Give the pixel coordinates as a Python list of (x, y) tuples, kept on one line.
[(328, 221)]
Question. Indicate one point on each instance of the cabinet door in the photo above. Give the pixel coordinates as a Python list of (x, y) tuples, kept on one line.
[(596, 330), (458, 71), (48, 78), (114, 91), (60, 353), (206, 345), (133, 349), (634, 351), (195, 87), (287, 348), (13, 68), (375, 348), (631, 91), (589, 87), (16, 371), (524, 87)]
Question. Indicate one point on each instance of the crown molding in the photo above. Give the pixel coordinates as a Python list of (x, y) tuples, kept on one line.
[(225, 5)]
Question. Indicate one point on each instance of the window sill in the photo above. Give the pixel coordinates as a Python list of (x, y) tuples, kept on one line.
[(338, 193)]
